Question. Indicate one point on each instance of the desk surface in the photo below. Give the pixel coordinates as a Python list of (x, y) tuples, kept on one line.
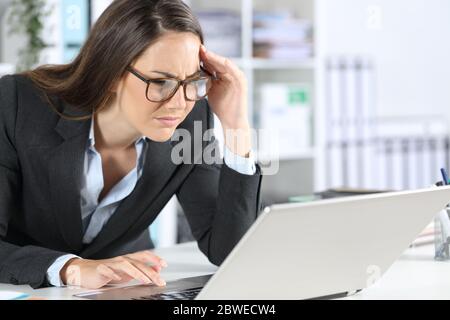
[(415, 275)]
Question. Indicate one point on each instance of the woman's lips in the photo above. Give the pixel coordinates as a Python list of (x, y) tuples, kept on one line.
[(168, 121)]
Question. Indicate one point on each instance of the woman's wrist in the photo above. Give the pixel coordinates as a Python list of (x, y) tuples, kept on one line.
[(66, 270), (238, 140)]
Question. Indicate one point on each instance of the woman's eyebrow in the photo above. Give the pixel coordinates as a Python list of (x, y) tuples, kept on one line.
[(170, 75)]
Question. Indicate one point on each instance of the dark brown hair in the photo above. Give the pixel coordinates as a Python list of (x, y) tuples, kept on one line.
[(119, 37)]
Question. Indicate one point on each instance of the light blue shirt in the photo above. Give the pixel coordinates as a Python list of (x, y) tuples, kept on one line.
[(95, 215)]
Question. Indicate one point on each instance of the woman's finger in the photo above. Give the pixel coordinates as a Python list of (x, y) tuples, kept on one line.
[(103, 276), (150, 272), (220, 64), (123, 265), (107, 272), (208, 67), (205, 56), (227, 77), (147, 256)]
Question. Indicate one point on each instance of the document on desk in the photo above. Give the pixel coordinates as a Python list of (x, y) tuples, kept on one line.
[(12, 295)]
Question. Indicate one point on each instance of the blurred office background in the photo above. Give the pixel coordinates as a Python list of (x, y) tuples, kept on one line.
[(359, 90)]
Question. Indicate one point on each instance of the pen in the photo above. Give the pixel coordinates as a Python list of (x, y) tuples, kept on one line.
[(444, 176)]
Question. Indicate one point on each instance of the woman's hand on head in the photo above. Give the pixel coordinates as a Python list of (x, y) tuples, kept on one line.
[(144, 266), (228, 100)]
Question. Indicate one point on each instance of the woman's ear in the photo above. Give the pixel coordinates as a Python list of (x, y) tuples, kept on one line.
[(115, 87)]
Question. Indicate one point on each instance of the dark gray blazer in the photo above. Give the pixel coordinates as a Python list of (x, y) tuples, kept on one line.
[(41, 163)]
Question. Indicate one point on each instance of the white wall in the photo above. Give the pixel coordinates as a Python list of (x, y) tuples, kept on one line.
[(409, 40), (10, 44), (98, 6)]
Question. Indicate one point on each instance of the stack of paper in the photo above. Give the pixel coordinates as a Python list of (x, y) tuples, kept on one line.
[(222, 29), (281, 36)]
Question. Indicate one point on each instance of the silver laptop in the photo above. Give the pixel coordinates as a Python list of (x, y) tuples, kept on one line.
[(309, 250)]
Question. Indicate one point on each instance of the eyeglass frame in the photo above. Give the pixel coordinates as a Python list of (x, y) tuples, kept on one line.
[(183, 83)]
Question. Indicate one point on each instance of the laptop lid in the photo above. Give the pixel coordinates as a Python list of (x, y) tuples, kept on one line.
[(322, 248)]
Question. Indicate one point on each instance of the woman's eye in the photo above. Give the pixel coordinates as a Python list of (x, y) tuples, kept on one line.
[(159, 82)]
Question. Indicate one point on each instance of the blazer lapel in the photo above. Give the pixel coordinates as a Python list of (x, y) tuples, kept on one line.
[(65, 172), (157, 171)]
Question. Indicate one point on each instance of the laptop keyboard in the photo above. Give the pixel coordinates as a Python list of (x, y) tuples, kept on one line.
[(189, 294)]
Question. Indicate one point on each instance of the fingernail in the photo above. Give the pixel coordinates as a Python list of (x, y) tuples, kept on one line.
[(161, 282), (164, 263), (147, 281)]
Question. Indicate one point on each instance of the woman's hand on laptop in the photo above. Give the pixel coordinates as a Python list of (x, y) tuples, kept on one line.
[(94, 274)]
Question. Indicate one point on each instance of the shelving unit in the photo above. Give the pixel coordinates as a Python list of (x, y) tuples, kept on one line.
[(303, 64), (299, 167), (296, 172), (262, 70)]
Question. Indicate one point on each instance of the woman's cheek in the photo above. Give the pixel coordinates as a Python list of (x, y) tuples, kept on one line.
[(189, 108)]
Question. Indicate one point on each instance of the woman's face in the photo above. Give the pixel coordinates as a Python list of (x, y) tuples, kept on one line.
[(176, 54)]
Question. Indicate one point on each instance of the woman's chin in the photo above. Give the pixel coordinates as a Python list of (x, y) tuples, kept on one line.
[(162, 135)]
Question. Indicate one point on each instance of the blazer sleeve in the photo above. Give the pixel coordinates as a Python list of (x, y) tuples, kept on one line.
[(18, 264), (220, 204)]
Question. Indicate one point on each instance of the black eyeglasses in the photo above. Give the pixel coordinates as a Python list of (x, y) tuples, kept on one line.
[(163, 89)]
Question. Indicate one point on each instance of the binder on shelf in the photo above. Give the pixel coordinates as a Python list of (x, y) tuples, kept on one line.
[(413, 165), (348, 133), (334, 154), (440, 159), (365, 151), (417, 149), (399, 164), (352, 89), (75, 23), (285, 119), (366, 122)]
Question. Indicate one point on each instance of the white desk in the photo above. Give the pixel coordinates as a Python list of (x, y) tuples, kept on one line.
[(415, 275), (184, 260)]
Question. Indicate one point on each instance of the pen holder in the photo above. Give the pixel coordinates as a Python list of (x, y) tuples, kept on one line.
[(442, 235)]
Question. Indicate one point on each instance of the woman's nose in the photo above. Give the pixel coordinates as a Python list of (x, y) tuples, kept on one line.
[(178, 101)]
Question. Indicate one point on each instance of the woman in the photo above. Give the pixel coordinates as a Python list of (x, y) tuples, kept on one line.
[(87, 161)]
